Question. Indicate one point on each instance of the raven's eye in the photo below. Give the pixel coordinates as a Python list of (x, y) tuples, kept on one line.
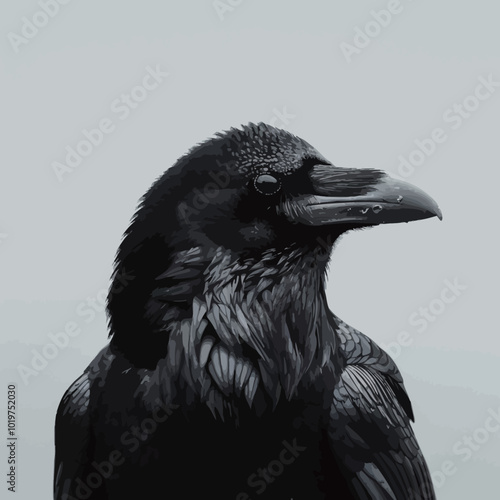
[(267, 184)]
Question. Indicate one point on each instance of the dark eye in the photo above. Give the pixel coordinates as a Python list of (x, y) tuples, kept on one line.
[(267, 184)]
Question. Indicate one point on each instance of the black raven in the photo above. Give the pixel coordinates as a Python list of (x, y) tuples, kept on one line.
[(227, 376)]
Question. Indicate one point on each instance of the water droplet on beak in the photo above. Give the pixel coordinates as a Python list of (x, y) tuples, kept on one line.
[(399, 199)]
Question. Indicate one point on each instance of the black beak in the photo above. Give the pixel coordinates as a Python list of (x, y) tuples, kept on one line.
[(356, 196)]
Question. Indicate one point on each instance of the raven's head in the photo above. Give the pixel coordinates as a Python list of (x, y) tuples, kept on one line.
[(228, 251)]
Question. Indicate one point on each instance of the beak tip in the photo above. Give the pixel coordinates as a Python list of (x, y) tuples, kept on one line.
[(436, 212), (420, 201)]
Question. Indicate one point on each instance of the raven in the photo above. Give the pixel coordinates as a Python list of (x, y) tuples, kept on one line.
[(227, 376)]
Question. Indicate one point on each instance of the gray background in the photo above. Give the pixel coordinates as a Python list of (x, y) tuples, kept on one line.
[(58, 239)]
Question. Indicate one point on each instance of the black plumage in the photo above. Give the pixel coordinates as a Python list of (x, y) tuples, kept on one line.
[(227, 376)]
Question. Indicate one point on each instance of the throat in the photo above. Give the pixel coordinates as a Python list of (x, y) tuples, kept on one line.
[(255, 331)]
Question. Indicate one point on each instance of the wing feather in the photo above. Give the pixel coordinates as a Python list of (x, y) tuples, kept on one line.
[(370, 428), (372, 436), (72, 437)]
